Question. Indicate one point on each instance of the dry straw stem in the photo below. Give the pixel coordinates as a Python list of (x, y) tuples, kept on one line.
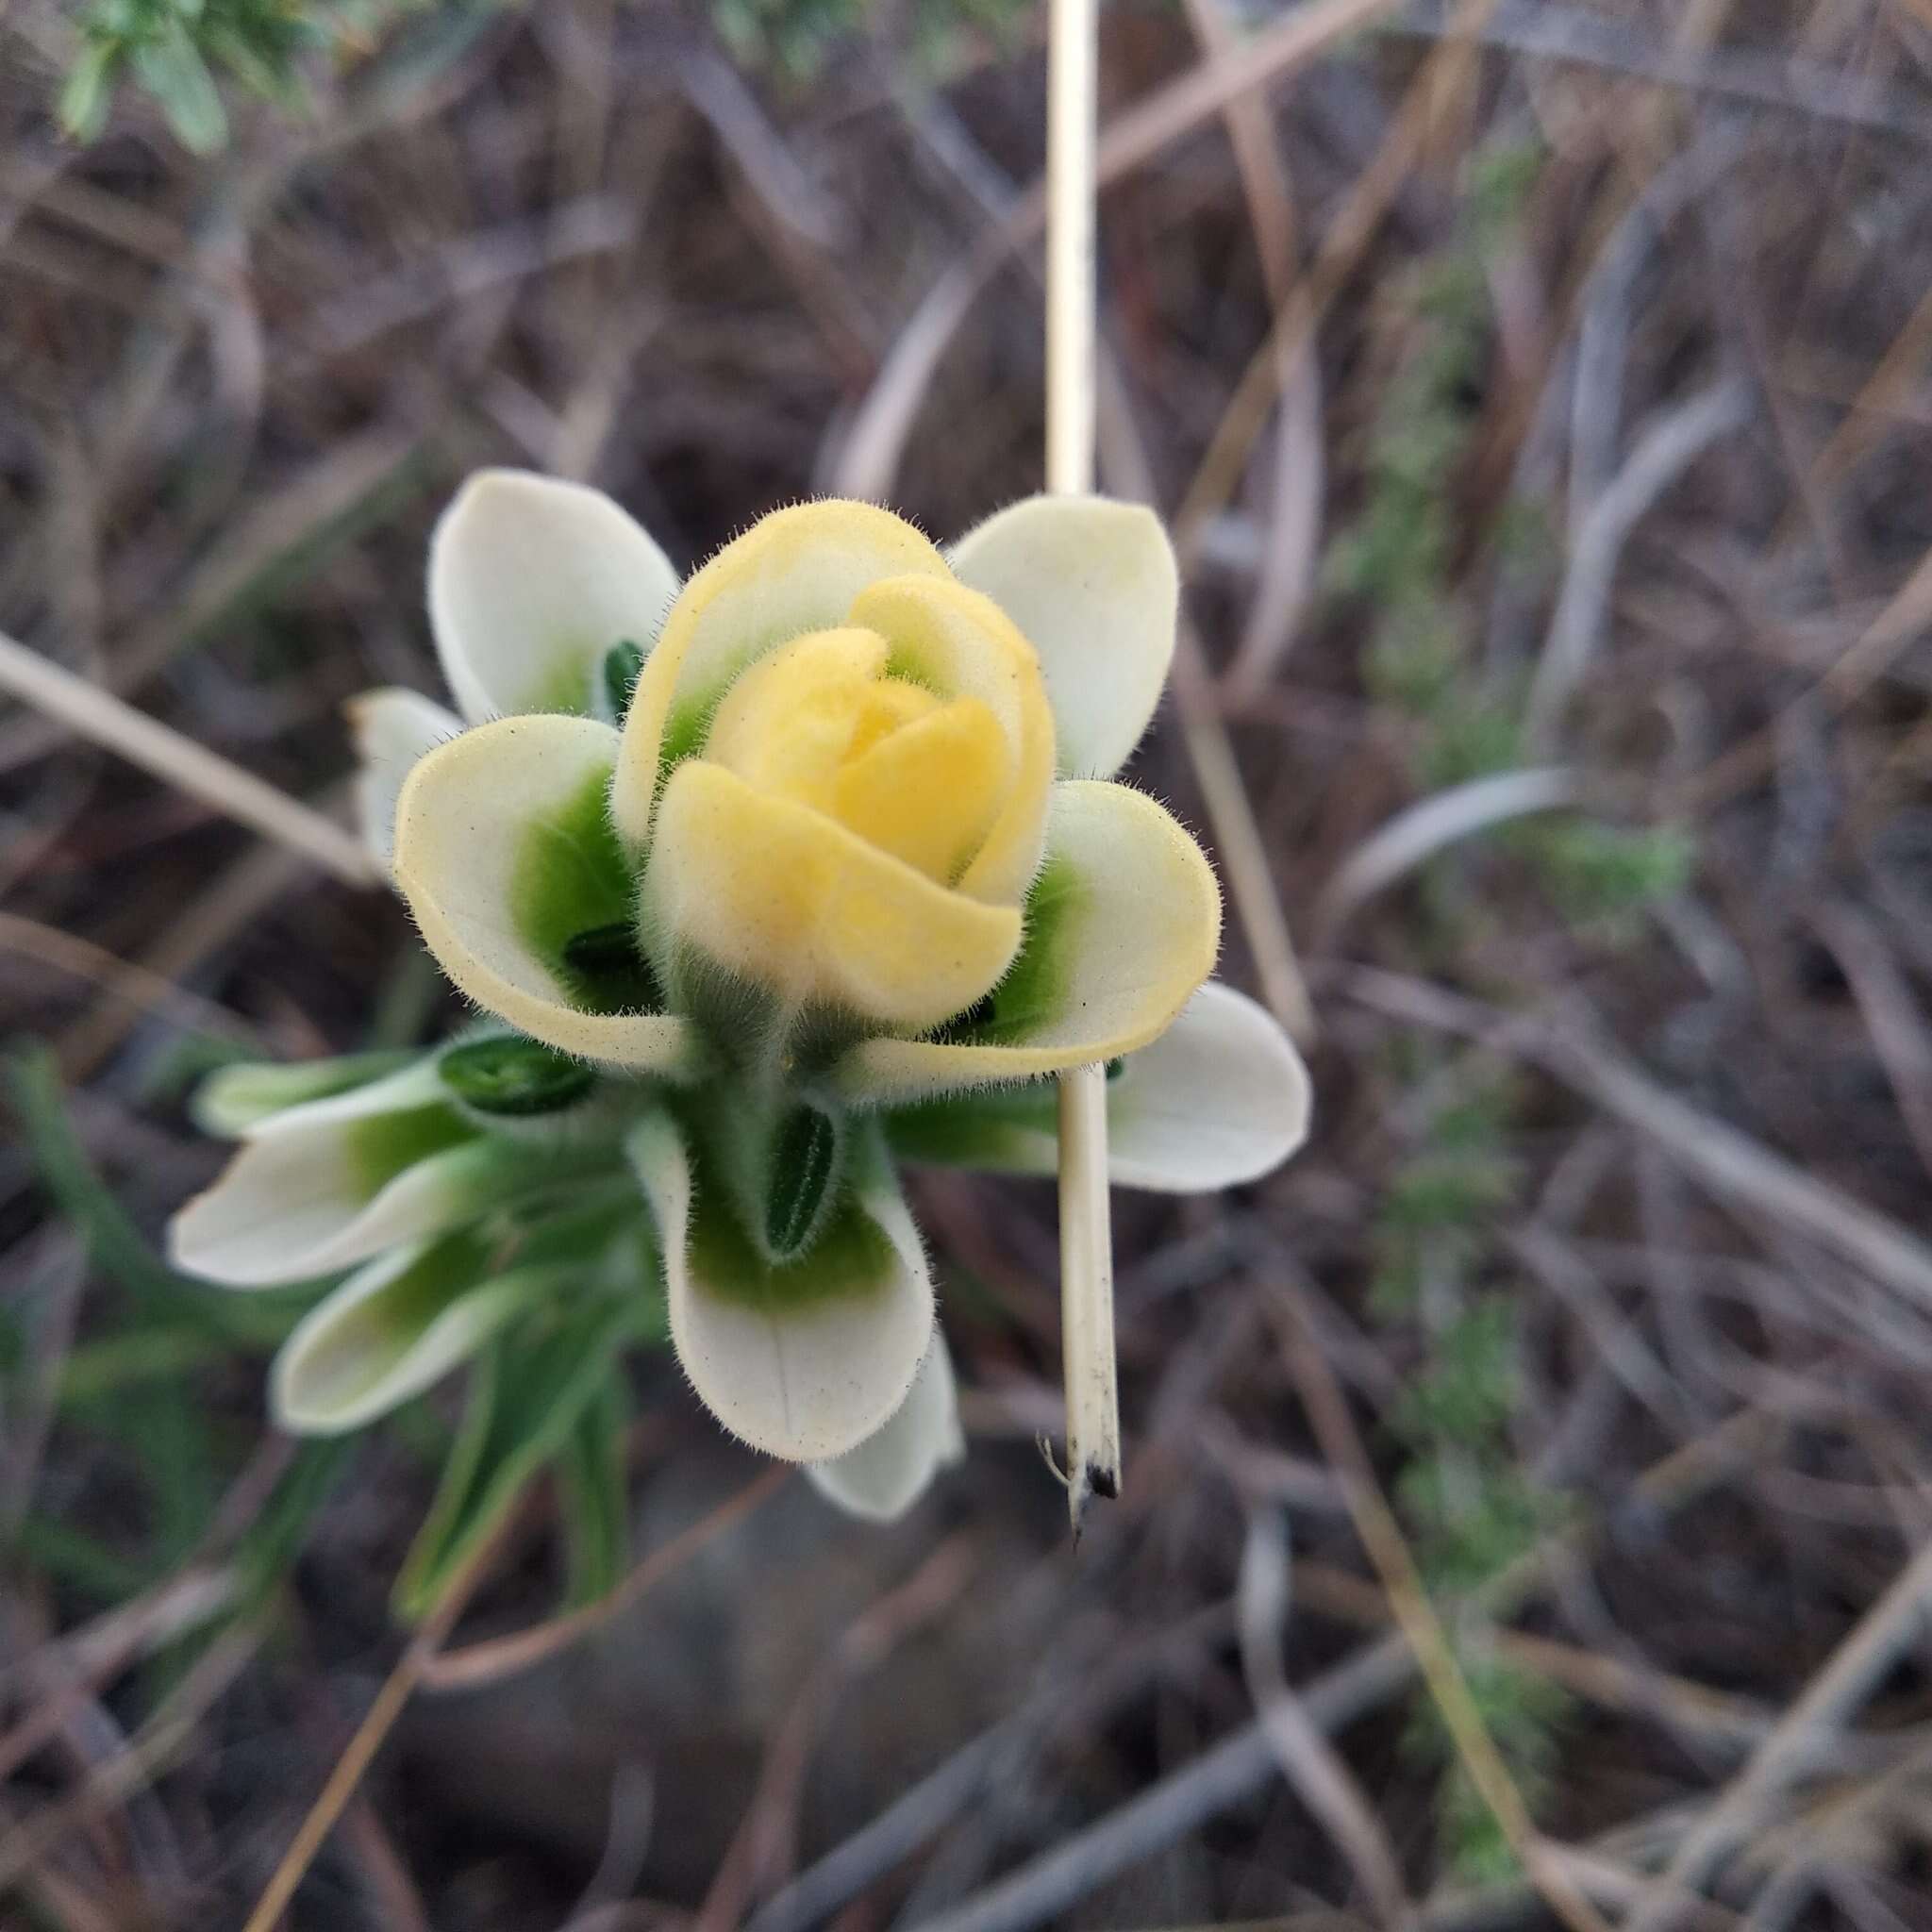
[(1432, 823), (1882, 394), (1900, 623), (270, 528), (880, 428), (1232, 1771), (233, 899), (376, 1723), (1731, 1165), (491, 1661), (1093, 1409), (770, 1825), (1892, 1017), (1082, 1678), (1343, 248), (481, 1663), (1375, 1524), (136, 1764), (1689, 61), (1275, 368), (1671, 442), (869, 460), (65, 1675), (179, 762), (144, 991), (1309, 1762), (1286, 576), (1801, 1741), (1612, 1683), (1287, 573), (1242, 849)]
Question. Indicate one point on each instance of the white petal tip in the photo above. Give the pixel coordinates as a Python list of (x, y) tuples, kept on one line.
[(886, 1474)]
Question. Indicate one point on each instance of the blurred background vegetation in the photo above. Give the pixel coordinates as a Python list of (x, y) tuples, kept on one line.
[(1529, 1505)]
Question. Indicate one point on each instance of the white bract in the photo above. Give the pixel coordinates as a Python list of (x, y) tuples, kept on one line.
[(760, 882)]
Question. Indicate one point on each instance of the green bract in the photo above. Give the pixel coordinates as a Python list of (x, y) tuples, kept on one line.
[(763, 880)]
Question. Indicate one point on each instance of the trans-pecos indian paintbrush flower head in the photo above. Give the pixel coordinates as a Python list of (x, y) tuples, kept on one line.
[(759, 883)]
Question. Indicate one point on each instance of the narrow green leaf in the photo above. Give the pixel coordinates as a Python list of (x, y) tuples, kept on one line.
[(100, 1372), (524, 1400), (593, 1491), (77, 1562), (172, 70), (88, 92)]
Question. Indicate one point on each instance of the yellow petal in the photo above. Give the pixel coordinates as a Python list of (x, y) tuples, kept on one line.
[(1093, 584), (963, 645), (787, 724), (787, 897), (465, 827), (930, 791), (1125, 926), (795, 571)]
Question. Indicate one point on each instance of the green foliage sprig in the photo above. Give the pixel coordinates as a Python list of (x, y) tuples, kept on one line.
[(183, 53), (1471, 1509), (177, 51)]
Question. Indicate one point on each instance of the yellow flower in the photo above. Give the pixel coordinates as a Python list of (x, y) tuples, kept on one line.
[(847, 762), (869, 808), (812, 860)]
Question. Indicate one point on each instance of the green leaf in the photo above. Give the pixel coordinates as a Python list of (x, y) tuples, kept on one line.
[(264, 66), (573, 901), (76, 1560), (1598, 871), (592, 1489), (1473, 1519), (847, 1254), (397, 1326), (172, 70), (1034, 984), (805, 1162), (524, 1400), (168, 1429), (1468, 1392), (88, 92), (622, 664), (507, 1073), (99, 1372), (603, 966), (988, 1127)]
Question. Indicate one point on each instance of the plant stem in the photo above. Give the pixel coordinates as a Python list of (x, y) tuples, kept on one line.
[(179, 762), (1070, 192), (1094, 1421)]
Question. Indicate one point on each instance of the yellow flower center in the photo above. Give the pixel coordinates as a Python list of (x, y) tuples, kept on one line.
[(826, 722)]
